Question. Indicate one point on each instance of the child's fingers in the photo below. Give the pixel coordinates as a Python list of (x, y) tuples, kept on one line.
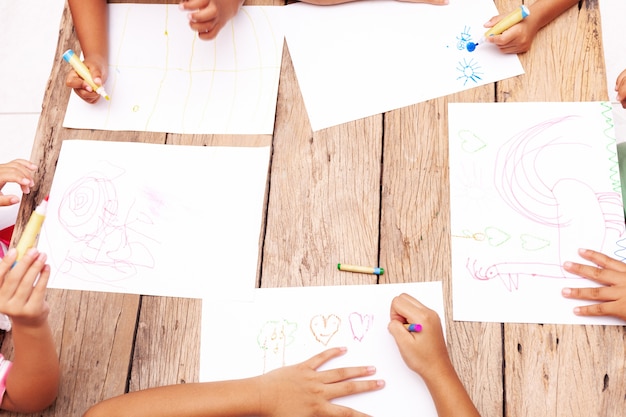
[(602, 260), (26, 285), (9, 200), (599, 275), (595, 293), (612, 308), (6, 263), (37, 297), (345, 388), (332, 376), (323, 357), (13, 278), (491, 22)]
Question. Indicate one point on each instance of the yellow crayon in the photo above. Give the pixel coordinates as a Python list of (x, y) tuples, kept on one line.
[(32, 229), (505, 23), (81, 69), (361, 269), (509, 20)]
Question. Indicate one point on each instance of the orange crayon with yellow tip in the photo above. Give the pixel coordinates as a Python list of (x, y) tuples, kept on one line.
[(83, 72)]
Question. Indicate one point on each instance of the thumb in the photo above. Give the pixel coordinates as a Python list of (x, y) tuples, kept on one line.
[(491, 22), (8, 200)]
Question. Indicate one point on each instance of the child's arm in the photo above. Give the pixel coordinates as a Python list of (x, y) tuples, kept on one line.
[(18, 171), (32, 382), (611, 273), (426, 353), (293, 391), (90, 18), (208, 17), (519, 37), (620, 87)]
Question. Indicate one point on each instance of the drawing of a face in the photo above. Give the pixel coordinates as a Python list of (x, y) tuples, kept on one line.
[(324, 327)]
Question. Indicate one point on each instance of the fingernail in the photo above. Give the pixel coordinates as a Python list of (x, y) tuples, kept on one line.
[(371, 370), (14, 200), (181, 6), (567, 264), (566, 291), (31, 252), (11, 252), (380, 383), (190, 17), (577, 310), (42, 257), (25, 181)]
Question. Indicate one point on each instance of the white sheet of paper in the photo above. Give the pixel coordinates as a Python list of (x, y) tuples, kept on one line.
[(180, 221), (238, 338), (357, 59), (530, 183), (163, 78), (612, 13)]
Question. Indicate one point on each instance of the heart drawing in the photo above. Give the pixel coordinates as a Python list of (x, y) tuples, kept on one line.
[(325, 327), (360, 324)]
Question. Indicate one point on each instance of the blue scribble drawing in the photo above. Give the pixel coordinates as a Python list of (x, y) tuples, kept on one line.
[(469, 71), (463, 38)]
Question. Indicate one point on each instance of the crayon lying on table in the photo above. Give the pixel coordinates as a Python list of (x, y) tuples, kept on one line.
[(361, 269), (505, 23)]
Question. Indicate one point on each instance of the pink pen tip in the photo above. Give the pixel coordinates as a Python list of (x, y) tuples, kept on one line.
[(46, 199)]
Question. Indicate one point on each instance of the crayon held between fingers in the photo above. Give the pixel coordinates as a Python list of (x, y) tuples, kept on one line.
[(32, 229), (505, 23), (413, 327), (361, 269), (81, 69)]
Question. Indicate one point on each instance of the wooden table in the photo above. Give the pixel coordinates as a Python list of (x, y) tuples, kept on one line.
[(374, 191)]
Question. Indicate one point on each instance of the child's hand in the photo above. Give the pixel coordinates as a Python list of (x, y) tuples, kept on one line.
[(23, 288), (18, 171), (208, 17), (515, 40), (302, 390), (98, 70), (424, 352), (611, 273), (620, 87)]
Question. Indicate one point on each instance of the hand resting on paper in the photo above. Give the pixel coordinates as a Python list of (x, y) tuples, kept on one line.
[(20, 172), (292, 391), (609, 272), (426, 353)]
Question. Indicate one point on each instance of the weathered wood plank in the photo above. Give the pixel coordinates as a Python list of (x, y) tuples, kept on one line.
[(167, 350), (324, 196)]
